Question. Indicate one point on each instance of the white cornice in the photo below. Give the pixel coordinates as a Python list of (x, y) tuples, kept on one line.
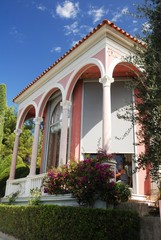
[(103, 33)]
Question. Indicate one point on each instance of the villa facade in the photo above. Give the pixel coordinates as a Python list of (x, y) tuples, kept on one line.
[(77, 101)]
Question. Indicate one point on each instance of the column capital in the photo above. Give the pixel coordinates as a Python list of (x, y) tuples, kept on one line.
[(106, 81), (38, 120), (18, 131), (66, 104)]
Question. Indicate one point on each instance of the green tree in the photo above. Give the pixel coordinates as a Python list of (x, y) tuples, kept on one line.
[(2, 111), (24, 150), (148, 85), (25, 143), (26, 138), (8, 136)]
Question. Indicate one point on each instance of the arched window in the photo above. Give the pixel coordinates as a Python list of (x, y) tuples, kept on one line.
[(54, 136)]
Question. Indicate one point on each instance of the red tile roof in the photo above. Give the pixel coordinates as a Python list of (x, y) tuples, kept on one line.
[(104, 22)]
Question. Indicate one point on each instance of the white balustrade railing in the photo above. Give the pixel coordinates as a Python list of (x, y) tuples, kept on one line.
[(36, 181), (24, 185), (15, 185)]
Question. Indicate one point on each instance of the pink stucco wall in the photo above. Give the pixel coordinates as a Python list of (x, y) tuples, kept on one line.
[(76, 122), (64, 80), (101, 56), (143, 181), (37, 99)]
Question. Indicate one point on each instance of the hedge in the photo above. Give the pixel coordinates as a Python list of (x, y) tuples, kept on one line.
[(47, 222)]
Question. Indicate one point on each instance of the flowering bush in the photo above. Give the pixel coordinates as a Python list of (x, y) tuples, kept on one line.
[(87, 180), (55, 182)]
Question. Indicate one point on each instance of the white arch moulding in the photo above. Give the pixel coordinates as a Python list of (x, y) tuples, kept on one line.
[(122, 60), (55, 86), (32, 103), (114, 63), (88, 63)]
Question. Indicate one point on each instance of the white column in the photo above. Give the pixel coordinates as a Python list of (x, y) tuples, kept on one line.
[(106, 131), (35, 146), (64, 132), (15, 153)]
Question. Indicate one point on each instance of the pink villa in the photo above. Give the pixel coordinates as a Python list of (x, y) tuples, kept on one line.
[(77, 99)]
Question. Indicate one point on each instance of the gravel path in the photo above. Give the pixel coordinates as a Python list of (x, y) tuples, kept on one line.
[(6, 237)]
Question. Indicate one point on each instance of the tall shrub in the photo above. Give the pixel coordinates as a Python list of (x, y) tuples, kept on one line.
[(148, 94), (2, 111)]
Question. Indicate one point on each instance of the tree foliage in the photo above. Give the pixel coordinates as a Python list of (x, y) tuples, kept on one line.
[(2, 110), (24, 149), (8, 135), (25, 142), (148, 94)]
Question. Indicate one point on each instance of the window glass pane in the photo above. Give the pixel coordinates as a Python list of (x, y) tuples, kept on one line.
[(57, 114), (54, 137), (55, 128), (53, 153)]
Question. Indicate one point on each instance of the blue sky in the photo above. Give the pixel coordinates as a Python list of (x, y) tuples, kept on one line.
[(35, 33)]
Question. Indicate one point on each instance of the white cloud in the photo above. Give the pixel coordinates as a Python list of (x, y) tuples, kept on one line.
[(85, 28), (125, 10), (71, 29), (75, 30), (146, 27), (56, 49), (19, 37), (135, 30), (68, 9), (52, 13), (74, 43), (119, 14), (135, 21), (41, 7), (96, 13)]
